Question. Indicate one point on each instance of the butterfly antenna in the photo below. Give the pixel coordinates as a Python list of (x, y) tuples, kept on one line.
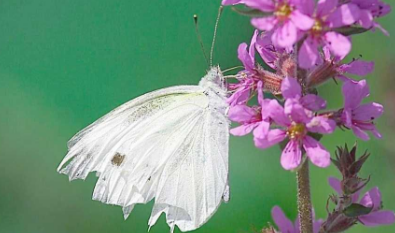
[(195, 19), (215, 34), (233, 68)]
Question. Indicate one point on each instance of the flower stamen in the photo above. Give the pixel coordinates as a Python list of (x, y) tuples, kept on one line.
[(283, 11), (296, 131), (317, 28)]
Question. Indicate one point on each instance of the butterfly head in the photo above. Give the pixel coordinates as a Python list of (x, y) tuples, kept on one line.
[(214, 79)]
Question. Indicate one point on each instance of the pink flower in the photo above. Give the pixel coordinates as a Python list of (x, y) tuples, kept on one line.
[(327, 16), (249, 118), (269, 53), (356, 116), (254, 119), (355, 67), (332, 67), (286, 20), (377, 216), (296, 120), (242, 90), (372, 198), (280, 59), (251, 75), (370, 9), (247, 78), (286, 226)]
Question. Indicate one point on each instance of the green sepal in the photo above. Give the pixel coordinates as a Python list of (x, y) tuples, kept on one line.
[(356, 210), (253, 13), (351, 30)]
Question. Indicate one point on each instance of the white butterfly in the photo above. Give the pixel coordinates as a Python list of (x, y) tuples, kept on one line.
[(170, 145)]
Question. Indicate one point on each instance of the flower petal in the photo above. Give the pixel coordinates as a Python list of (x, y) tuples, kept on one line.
[(317, 225), (251, 50), (285, 35), (338, 44), (322, 125), (282, 222), (265, 109), (243, 130), (365, 19), (316, 152), (265, 49), (372, 199), (245, 57), (360, 68), (240, 96), (290, 88), (308, 54), (271, 138), (378, 218), (278, 115), (368, 112), (291, 156), (327, 53), (263, 5), (345, 78), (375, 132), (264, 23), (354, 93), (344, 15), (347, 117), (243, 113), (301, 21), (313, 102), (296, 111), (307, 7), (368, 127), (382, 9), (325, 7), (360, 133), (335, 184), (261, 130)]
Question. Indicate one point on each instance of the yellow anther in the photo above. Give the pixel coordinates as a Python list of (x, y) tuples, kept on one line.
[(283, 11), (296, 131), (317, 27)]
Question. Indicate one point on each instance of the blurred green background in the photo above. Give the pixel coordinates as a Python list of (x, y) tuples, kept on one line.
[(63, 64)]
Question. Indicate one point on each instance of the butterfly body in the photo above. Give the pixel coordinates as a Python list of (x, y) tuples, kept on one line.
[(170, 145)]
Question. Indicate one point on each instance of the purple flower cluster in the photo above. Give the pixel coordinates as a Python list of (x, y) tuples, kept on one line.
[(290, 21), (304, 44), (298, 116), (301, 116)]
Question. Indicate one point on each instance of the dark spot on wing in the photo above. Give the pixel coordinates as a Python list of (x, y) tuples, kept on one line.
[(117, 159)]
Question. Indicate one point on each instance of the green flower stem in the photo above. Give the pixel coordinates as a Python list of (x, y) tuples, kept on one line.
[(304, 199)]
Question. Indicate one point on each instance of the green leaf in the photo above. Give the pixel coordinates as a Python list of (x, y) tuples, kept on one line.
[(351, 30), (356, 210)]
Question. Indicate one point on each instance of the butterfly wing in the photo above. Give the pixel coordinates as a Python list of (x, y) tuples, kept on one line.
[(171, 145)]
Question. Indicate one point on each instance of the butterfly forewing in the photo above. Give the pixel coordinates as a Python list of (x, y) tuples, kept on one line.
[(170, 145)]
